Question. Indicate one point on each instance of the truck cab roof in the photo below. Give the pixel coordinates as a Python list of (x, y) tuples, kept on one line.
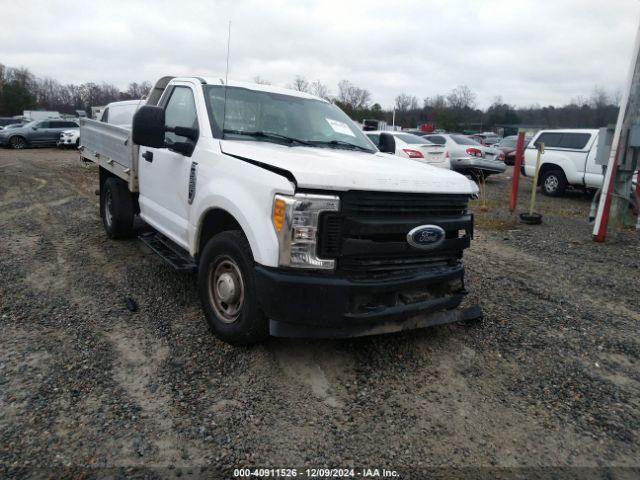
[(261, 87)]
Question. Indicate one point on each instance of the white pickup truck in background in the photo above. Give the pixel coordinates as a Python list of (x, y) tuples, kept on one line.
[(569, 159), (296, 224)]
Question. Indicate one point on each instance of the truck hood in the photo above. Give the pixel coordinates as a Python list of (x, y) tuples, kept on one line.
[(339, 169)]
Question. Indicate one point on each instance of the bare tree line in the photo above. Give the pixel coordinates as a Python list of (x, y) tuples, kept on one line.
[(455, 110), (21, 90)]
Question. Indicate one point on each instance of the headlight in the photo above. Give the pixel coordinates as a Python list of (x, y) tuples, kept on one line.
[(295, 219)]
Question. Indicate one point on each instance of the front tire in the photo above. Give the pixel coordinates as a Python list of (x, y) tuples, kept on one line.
[(553, 183), (116, 209), (17, 143), (226, 284)]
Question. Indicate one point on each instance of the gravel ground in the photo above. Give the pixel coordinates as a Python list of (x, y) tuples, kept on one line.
[(550, 377)]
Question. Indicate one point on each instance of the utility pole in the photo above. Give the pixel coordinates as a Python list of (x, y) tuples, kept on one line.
[(623, 157)]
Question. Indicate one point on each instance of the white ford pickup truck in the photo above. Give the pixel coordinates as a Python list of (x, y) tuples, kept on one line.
[(295, 223)]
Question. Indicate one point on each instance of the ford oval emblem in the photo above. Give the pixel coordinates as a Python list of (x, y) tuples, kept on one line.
[(426, 236)]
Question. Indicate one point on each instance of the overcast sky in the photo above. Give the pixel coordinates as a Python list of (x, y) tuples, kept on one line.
[(526, 51)]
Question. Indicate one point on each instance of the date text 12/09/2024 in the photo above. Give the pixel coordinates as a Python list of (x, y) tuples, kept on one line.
[(315, 473)]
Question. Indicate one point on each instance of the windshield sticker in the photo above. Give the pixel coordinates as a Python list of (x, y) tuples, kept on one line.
[(340, 127)]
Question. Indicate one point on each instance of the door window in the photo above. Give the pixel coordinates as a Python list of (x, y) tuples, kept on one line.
[(375, 138), (180, 112), (44, 125), (550, 139), (576, 141), (573, 141)]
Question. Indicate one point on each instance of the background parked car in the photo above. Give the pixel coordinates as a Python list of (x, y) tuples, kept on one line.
[(488, 138), (69, 138), (508, 146), (14, 125), (4, 121), (468, 156), (37, 133), (410, 146)]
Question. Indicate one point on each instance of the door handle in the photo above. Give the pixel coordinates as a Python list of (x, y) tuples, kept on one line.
[(148, 156)]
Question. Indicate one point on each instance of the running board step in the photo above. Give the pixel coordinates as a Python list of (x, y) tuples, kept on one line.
[(169, 251)]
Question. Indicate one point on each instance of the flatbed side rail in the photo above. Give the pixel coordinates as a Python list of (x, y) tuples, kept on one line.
[(109, 146)]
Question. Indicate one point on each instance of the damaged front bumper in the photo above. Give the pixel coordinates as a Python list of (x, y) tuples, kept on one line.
[(327, 306)]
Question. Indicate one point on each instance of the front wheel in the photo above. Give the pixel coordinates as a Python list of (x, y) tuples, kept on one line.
[(226, 284), (553, 183), (17, 142)]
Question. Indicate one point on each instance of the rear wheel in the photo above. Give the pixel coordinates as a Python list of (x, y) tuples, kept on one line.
[(553, 183), (17, 142), (116, 208), (226, 285)]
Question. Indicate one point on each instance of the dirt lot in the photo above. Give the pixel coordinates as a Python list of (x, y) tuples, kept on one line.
[(550, 377)]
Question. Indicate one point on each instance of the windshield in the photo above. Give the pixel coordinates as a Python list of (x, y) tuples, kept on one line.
[(280, 118), (411, 139), (462, 140)]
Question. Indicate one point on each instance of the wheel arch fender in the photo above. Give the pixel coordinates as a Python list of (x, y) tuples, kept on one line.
[(240, 202), (17, 135), (548, 166)]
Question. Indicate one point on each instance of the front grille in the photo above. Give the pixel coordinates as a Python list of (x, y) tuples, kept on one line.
[(367, 236), (331, 227), (387, 264), (372, 204)]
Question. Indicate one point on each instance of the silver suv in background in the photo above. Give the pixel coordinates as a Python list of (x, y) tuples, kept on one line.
[(37, 133)]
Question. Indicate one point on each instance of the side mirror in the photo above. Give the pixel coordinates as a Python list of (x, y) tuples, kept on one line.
[(190, 133), (148, 127), (185, 148), (34, 128), (387, 143)]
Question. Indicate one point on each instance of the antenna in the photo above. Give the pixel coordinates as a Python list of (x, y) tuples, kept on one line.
[(226, 80)]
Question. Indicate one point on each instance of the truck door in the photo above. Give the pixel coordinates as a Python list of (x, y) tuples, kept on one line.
[(593, 176), (164, 173)]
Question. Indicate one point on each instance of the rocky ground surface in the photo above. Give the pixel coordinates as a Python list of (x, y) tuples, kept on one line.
[(550, 377)]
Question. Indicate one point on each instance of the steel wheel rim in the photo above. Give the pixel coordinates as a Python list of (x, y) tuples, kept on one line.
[(108, 205), (226, 289), (551, 183)]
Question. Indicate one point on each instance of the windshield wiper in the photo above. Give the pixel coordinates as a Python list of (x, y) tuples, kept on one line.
[(340, 143), (270, 135)]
